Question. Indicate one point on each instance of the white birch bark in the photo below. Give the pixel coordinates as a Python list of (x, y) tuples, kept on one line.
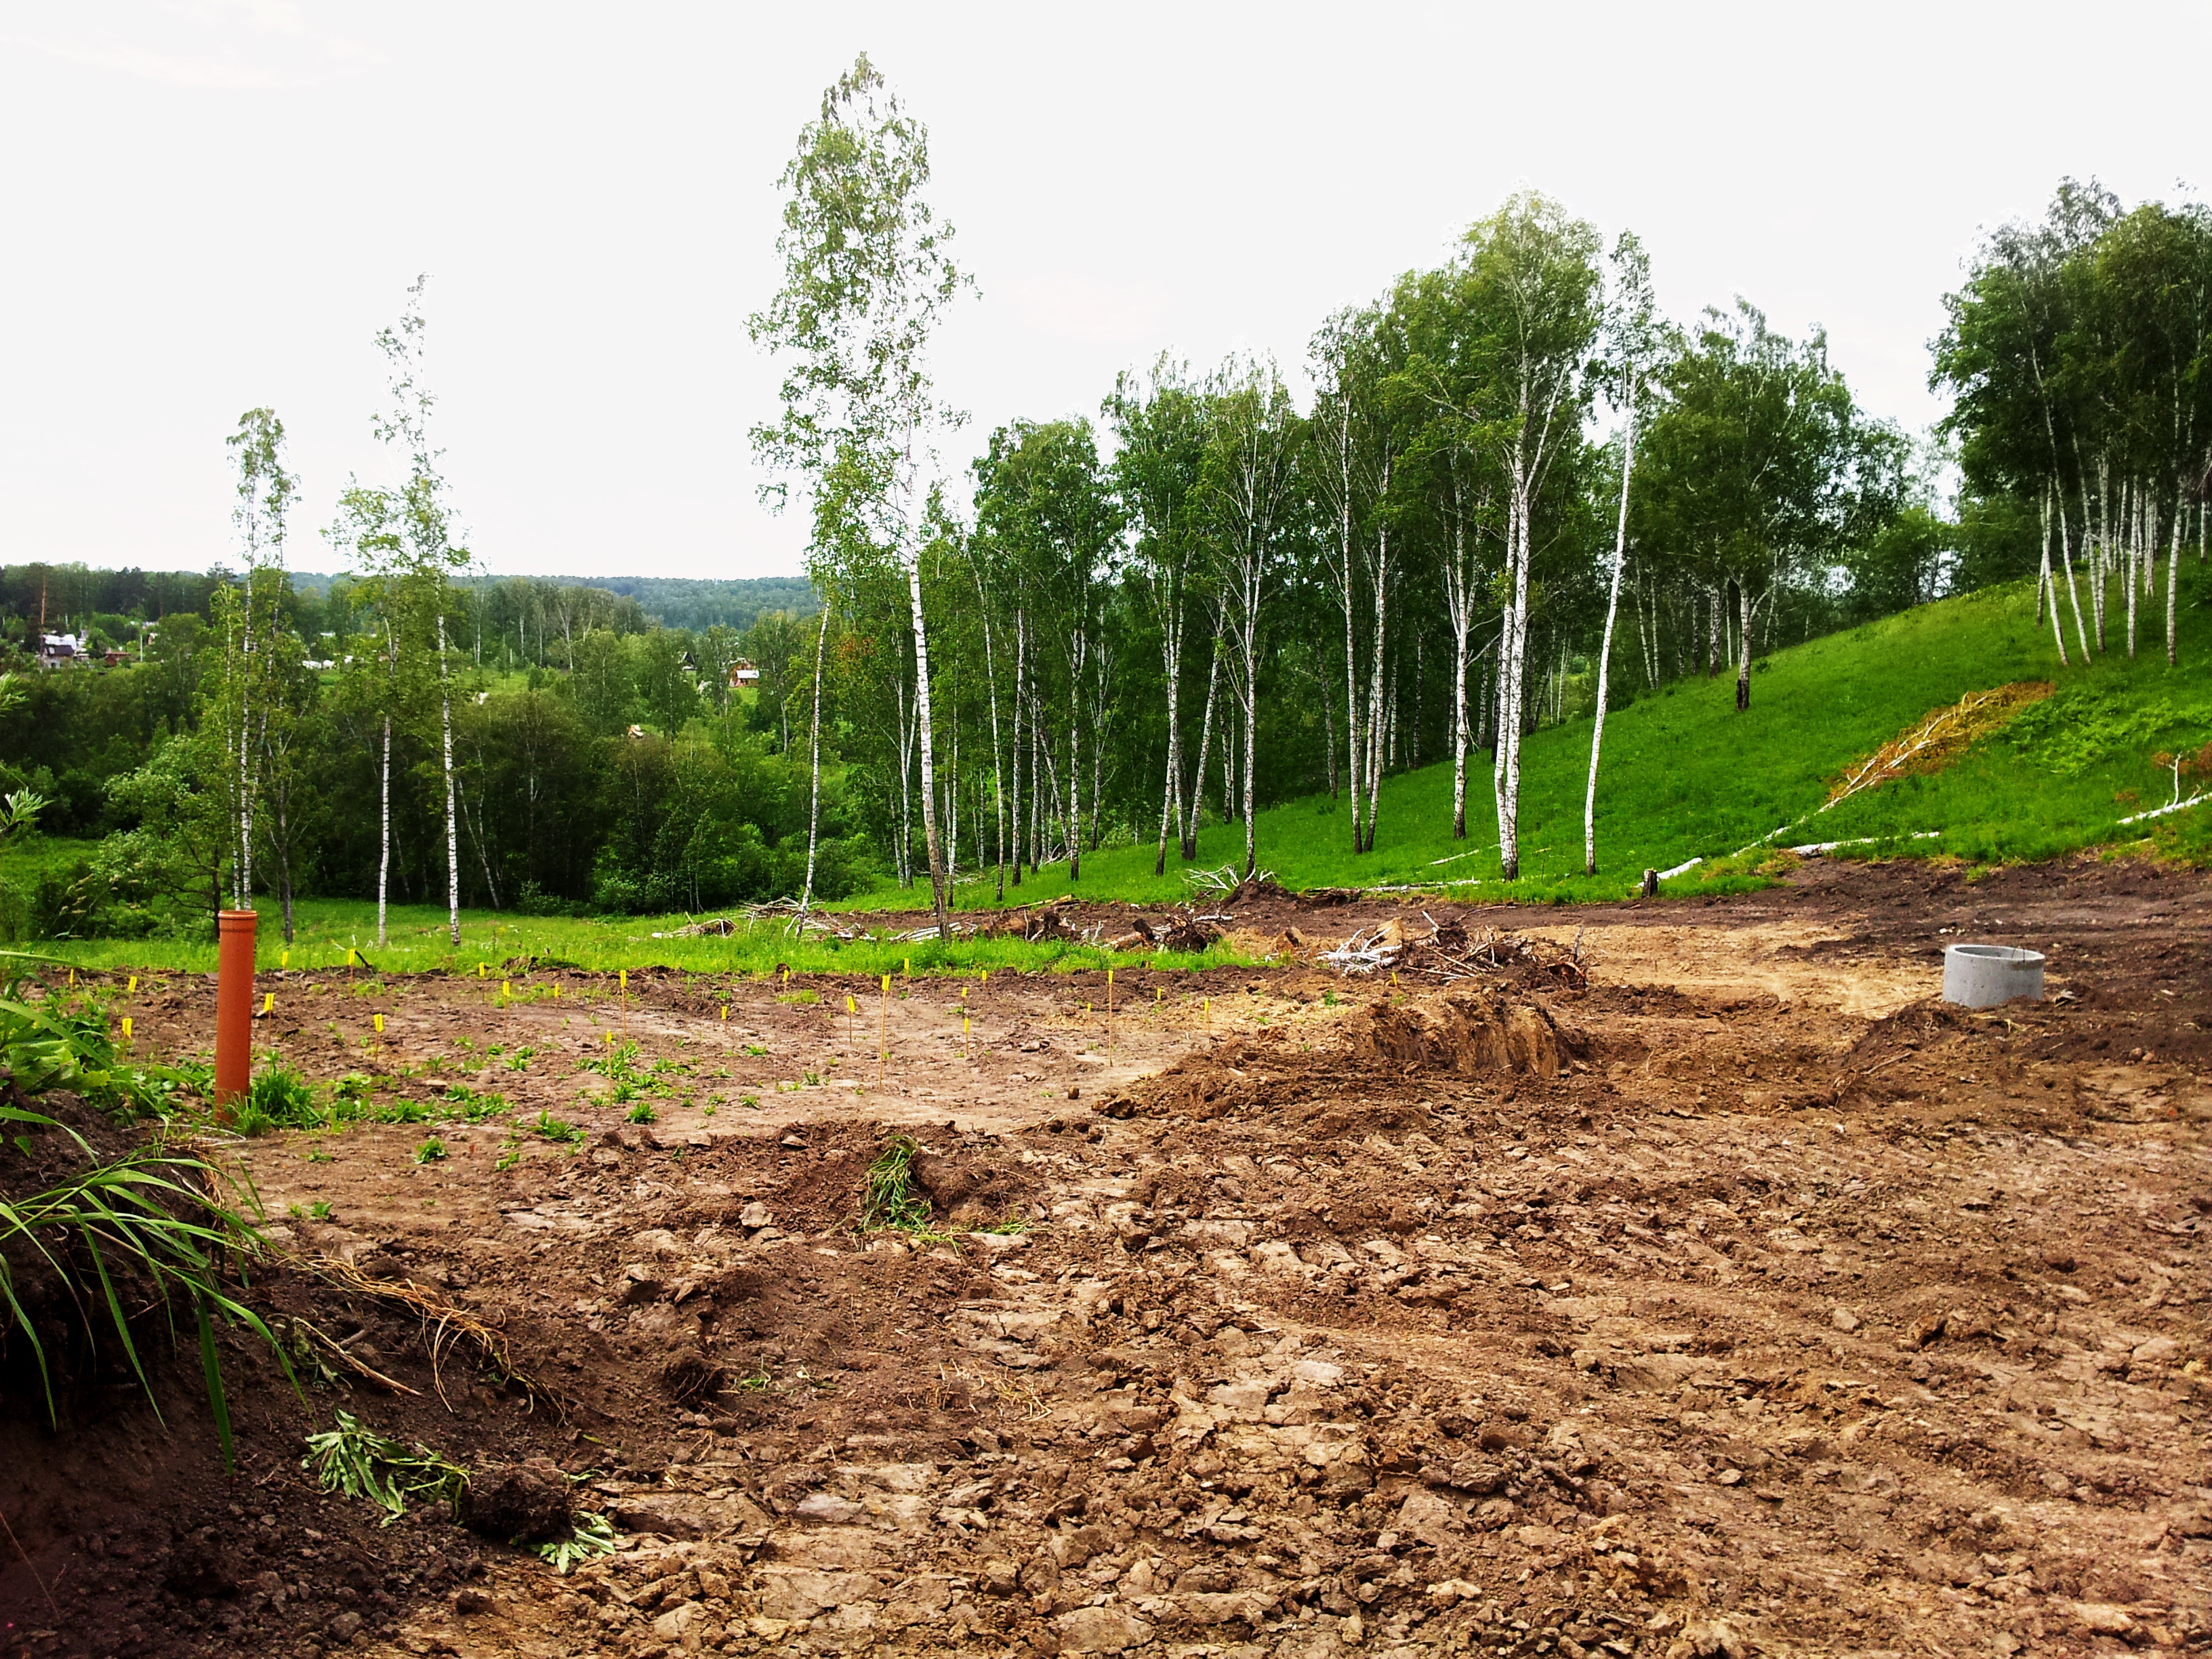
[(1196, 806), (814, 762), (1513, 670), (928, 751), (1381, 573), (1460, 592), (1021, 683), (2172, 581), (2050, 585), (453, 834), (1605, 648)]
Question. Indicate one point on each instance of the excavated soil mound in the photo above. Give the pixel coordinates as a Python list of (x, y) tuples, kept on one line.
[(1473, 1031), (1467, 1031)]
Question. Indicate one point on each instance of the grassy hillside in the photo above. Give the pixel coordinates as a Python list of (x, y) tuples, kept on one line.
[(1685, 775)]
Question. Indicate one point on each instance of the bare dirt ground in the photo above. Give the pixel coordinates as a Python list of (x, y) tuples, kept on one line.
[(1747, 1300)]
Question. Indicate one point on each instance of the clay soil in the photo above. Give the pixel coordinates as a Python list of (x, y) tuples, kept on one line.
[(1746, 1299)]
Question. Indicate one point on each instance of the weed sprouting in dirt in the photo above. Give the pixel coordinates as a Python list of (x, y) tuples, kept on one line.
[(546, 1126), (356, 1460), (890, 1198), (278, 1098), (592, 1536), (432, 1149), (474, 1106), (641, 1113)]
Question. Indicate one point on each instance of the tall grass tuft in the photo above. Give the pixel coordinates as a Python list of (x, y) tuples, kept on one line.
[(890, 1198), (152, 1214)]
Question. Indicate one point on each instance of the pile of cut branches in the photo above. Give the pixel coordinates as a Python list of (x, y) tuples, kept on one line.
[(1449, 951)]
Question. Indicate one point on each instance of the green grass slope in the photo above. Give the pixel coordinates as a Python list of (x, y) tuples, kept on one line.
[(1685, 776)]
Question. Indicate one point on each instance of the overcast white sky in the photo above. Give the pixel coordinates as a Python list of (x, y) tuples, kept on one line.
[(212, 205)]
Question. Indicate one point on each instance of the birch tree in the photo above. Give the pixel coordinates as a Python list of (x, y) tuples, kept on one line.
[(1251, 482), (248, 619), (1355, 445), (866, 277), (1632, 339), (1537, 295), (1160, 429), (420, 539), (1042, 507)]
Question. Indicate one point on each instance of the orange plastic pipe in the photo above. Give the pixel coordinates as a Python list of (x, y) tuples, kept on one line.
[(233, 1005)]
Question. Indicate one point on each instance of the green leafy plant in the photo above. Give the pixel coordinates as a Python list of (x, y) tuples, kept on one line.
[(432, 1149), (546, 1126), (519, 1060), (356, 1460), (641, 1113), (591, 1535), (474, 1106)]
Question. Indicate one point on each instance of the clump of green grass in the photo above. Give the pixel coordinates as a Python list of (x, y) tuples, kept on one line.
[(356, 1460), (546, 1126), (278, 1098), (890, 1198), (641, 1113), (431, 1150), (152, 1216), (472, 1106)]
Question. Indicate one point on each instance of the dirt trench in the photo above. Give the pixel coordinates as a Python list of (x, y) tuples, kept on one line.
[(1746, 1301)]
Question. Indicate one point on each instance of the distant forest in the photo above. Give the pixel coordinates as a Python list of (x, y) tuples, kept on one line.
[(73, 597)]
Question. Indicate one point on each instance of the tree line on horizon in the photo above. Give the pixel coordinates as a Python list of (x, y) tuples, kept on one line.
[(1516, 496)]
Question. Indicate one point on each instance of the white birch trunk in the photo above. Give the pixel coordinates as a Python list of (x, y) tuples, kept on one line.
[(1605, 648), (814, 764), (2172, 581), (1197, 803), (453, 834), (1021, 685), (1373, 748), (928, 746), (2050, 585)]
